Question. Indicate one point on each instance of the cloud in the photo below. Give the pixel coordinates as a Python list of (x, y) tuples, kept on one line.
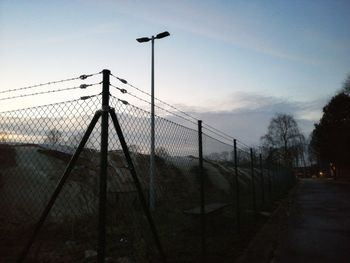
[(250, 114)]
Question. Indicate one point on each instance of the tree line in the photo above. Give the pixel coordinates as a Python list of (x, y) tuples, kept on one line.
[(329, 143), (330, 139)]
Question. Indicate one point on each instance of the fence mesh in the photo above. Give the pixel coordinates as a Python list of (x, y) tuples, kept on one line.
[(37, 144)]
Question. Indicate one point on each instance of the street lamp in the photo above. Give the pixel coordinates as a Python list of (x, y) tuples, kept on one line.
[(152, 159)]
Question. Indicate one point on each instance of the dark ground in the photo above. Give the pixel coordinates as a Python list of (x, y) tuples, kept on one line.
[(311, 225)]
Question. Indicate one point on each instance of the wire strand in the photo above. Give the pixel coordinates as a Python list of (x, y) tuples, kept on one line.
[(49, 83), (83, 86), (207, 126), (159, 100), (143, 110), (218, 140), (158, 107), (226, 136), (137, 97), (121, 90), (161, 108), (217, 134), (243, 147), (243, 144)]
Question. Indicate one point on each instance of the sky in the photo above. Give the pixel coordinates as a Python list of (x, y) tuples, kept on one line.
[(233, 64)]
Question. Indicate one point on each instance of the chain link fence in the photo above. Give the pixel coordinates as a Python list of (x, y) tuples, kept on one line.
[(206, 206)]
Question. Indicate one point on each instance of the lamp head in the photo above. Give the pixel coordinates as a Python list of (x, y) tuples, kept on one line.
[(143, 39), (162, 35)]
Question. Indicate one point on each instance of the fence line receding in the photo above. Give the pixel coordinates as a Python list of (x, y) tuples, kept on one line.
[(211, 190)]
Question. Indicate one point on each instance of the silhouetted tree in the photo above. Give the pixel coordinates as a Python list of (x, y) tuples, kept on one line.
[(346, 86), (330, 139), (284, 138)]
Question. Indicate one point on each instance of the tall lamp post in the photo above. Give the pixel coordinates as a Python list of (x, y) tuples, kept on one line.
[(152, 159)]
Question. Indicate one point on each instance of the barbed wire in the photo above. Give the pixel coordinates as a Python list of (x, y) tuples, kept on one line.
[(89, 97), (216, 133), (124, 91), (147, 102), (222, 134), (147, 112), (121, 90), (172, 113), (189, 117), (243, 147), (218, 140), (82, 77), (159, 100), (156, 106), (82, 86), (243, 144), (212, 129)]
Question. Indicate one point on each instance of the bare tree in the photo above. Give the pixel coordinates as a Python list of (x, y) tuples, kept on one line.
[(346, 85), (162, 152), (53, 136), (284, 136), (134, 148)]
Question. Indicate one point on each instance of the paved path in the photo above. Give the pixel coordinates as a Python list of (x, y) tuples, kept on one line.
[(318, 229)]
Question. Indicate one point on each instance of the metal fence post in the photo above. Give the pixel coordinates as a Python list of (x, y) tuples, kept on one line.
[(278, 179), (238, 212), (262, 179), (269, 173), (253, 183), (103, 168), (202, 197), (274, 181)]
